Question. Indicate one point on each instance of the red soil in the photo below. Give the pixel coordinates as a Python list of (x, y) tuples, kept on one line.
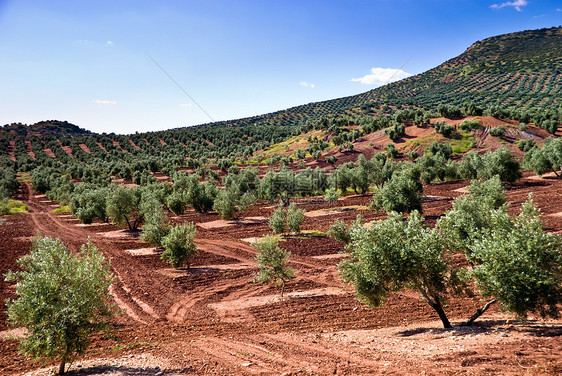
[(211, 319)]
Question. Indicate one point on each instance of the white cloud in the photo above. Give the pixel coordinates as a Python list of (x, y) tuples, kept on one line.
[(517, 4), (186, 104), (381, 76), (559, 9), (109, 43), (102, 101), (306, 84)]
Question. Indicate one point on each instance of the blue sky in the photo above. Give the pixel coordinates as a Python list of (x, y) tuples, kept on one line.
[(92, 63)]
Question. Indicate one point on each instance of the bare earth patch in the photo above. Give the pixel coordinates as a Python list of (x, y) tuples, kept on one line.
[(143, 251), (91, 224), (118, 234), (334, 211), (331, 256), (220, 223), (461, 190), (256, 301), (548, 175)]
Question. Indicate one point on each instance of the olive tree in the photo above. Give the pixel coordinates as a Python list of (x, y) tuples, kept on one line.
[(520, 265), (402, 193), (393, 254), (123, 207), (178, 245), (272, 263), (62, 299), (547, 158), (295, 218)]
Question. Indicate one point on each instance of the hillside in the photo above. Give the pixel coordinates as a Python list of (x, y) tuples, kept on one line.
[(511, 70), (53, 128)]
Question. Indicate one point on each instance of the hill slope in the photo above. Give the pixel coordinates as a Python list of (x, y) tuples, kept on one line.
[(517, 69)]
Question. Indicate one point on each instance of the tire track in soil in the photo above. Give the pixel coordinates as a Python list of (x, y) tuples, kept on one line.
[(244, 253), (49, 224)]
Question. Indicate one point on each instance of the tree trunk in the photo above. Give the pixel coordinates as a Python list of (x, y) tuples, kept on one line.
[(436, 305), (479, 312), (62, 366), (282, 288), (439, 309)]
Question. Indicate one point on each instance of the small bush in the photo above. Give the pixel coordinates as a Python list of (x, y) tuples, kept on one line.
[(331, 196), (10, 207), (497, 131), (179, 246), (469, 125), (277, 221), (295, 218), (339, 231)]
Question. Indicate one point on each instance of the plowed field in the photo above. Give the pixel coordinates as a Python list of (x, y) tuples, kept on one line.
[(212, 319)]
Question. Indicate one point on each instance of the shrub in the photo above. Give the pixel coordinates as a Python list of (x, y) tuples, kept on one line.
[(179, 246), (339, 231), (277, 221), (295, 218), (331, 196), (497, 131)]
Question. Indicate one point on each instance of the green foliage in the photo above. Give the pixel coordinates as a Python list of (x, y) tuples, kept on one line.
[(123, 207), (62, 209), (443, 128), (178, 245), (200, 196), (295, 218), (225, 204), (339, 231), (62, 299), (436, 168), (497, 131), (331, 159), (471, 214), (526, 145), (520, 264), (443, 148), (11, 207), (402, 193), (394, 254), (89, 202), (391, 151), (176, 203), (501, 162), (331, 196), (272, 262), (156, 226), (469, 125), (278, 221), (547, 158)]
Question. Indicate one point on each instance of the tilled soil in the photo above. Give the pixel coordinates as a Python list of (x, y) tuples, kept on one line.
[(212, 319)]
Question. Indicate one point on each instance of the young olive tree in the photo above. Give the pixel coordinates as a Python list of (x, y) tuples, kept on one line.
[(156, 226), (278, 221), (272, 263), (62, 299), (295, 218), (402, 193), (178, 245)]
